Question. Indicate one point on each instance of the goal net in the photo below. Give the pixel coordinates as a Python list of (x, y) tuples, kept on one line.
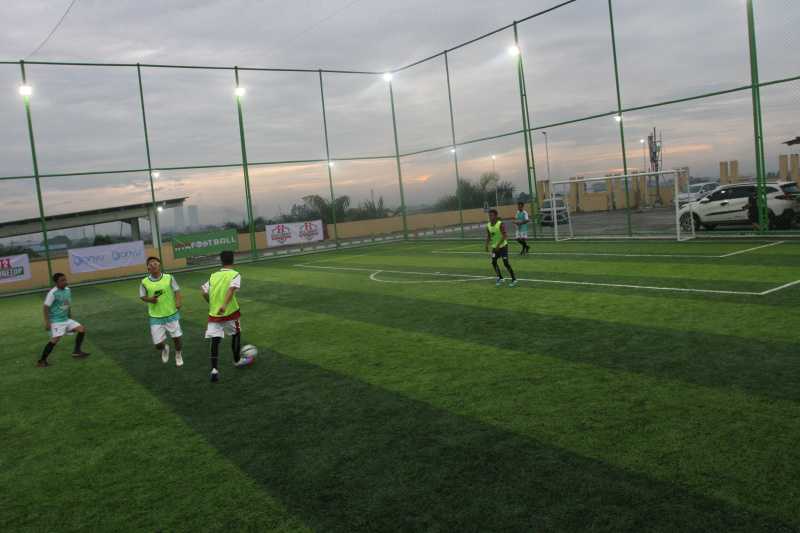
[(640, 205)]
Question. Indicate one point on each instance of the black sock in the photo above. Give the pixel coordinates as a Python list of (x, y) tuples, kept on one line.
[(215, 352), (236, 347), (510, 270), (79, 341), (47, 349)]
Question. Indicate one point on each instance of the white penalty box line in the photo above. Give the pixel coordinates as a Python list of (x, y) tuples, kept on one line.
[(375, 272), (611, 254)]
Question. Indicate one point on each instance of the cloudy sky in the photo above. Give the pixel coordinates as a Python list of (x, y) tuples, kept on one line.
[(88, 118)]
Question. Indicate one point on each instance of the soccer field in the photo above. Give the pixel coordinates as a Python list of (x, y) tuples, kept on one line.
[(639, 386)]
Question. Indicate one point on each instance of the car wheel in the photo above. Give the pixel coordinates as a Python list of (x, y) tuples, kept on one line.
[(686, 222), (709, 227)]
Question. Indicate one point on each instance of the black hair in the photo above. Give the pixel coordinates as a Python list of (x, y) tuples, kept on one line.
[(151, 258), (493, 211), (226, 257), (57, 276), (521, 203)]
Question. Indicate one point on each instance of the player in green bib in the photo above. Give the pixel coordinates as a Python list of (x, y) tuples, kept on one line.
[(497, 237), (223, 312), (163, 297)]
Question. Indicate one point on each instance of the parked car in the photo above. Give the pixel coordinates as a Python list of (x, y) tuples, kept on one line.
[(696, 191), (546, 212), (727, 206)]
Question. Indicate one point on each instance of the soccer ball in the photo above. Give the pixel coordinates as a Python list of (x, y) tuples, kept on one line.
[(248, 355)]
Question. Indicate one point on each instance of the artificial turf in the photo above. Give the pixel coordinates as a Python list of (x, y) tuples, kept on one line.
[(395, 392)]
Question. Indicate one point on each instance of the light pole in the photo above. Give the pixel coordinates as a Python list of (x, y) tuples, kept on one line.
[(547, 153), (644, 155), (494, 175)]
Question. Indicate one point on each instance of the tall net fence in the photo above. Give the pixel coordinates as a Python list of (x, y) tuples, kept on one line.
[(579, 112)]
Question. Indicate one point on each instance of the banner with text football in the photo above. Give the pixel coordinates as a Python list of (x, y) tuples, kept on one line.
[(205, 243), (123, 254), (15, 268), (294, 233)]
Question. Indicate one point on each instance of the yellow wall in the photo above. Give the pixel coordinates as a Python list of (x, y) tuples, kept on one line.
[(40, 277)]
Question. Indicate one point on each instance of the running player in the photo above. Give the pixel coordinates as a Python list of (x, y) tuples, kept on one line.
[(496, 236), (521, 221), (58, 319), (223, 310), (163, 297)]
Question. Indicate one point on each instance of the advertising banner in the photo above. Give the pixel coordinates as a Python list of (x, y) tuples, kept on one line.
[(205, 243), (294, 233), (106, 257), (14, 268)]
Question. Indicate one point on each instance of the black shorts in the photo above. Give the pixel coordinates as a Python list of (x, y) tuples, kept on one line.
[(501, 253)]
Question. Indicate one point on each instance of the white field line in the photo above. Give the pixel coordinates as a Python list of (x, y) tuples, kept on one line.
[(608, 254), (374, 277), (375, 272), (752, 249)]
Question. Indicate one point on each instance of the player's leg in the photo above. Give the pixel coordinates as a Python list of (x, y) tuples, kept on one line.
[(80, 334), (159, 334), (234, 330), (496, 268), (215, 332), (48, 348), (506, 263), (175, 332)]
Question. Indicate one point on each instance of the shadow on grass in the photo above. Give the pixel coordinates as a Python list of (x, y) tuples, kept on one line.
[(765, 367), (344, 455)]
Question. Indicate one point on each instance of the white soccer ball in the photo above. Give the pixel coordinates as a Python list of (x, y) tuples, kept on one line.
[(247, 355)]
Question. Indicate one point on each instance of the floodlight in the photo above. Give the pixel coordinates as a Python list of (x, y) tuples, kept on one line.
[(330, 164), (641, 141), (494, 157), (452, 150), (618, 118), (156, 174), (160, 208), (239, 91), (513, 50), (25, 90), (387, 76)]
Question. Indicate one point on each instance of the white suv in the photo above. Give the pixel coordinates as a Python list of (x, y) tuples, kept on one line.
[(696, 191), (728, 206)]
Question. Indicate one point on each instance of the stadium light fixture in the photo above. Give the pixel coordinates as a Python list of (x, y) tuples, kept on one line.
[(618, 118), (239, 92), (641, 141), (160, 208), (387, 76), (513, 50), (156, 174), (25, 90), (494, 157), (330, 164), (452, 150)]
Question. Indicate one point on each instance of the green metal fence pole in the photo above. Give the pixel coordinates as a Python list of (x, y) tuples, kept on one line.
[(27, 100), (621, 120), (453, 149), (530, 162), (397, 158), (149, 163), (328, 157), (761, 179), (247, 192)]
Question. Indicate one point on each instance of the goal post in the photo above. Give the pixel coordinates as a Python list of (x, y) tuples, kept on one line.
[(637, 205)]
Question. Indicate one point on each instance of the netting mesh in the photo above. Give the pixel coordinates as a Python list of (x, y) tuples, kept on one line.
[(430, 148)]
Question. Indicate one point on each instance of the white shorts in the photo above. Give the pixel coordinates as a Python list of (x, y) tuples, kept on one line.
[(59, 329), (522, 234), (159, 331), (220, 329)]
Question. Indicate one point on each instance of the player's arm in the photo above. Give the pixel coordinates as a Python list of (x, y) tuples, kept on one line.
[(144, 297), (46, 309), (503, 231), (176, 290), (228, 298), (204, 288), (488, 238)]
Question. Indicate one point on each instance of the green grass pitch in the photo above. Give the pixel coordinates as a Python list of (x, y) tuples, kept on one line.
[(623, 386)]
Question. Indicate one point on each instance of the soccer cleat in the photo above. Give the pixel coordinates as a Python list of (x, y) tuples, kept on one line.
[(513, 284), (214, 375), (42, 363), (499, 282), (165, 353), (80, 355), (178, 359)]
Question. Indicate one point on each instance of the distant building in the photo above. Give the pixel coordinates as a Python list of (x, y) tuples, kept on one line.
[(180, 220), (194, 216)]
